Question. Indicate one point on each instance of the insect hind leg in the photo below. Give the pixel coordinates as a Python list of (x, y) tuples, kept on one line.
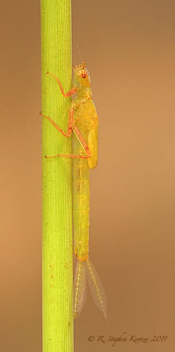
[(82, 142)]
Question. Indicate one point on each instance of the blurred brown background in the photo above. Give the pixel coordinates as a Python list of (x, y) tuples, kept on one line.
[(129, 48)]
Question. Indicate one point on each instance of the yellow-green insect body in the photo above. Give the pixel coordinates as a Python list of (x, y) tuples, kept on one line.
[(86, 119), (83, 122)]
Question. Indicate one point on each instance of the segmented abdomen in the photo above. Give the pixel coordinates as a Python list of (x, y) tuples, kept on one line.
[(81, 197)]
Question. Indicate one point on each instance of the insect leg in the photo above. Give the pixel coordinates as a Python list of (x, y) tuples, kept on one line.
[(70, 123), (83, 144), (68, 94)]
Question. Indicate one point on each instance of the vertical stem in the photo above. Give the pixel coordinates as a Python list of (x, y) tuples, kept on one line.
[(57, 265)]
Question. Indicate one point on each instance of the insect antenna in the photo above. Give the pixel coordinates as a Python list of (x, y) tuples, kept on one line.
[(82, 62), (79, 53)]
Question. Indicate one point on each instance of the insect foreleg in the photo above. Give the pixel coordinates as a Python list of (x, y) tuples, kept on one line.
[(68, 94)]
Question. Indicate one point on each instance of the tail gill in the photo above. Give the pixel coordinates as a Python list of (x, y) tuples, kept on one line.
[(83, 269)]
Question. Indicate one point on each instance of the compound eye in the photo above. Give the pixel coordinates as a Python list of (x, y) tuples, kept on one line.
[(83, 73)]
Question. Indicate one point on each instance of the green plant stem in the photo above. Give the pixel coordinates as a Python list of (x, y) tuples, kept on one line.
[(57, 262)]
